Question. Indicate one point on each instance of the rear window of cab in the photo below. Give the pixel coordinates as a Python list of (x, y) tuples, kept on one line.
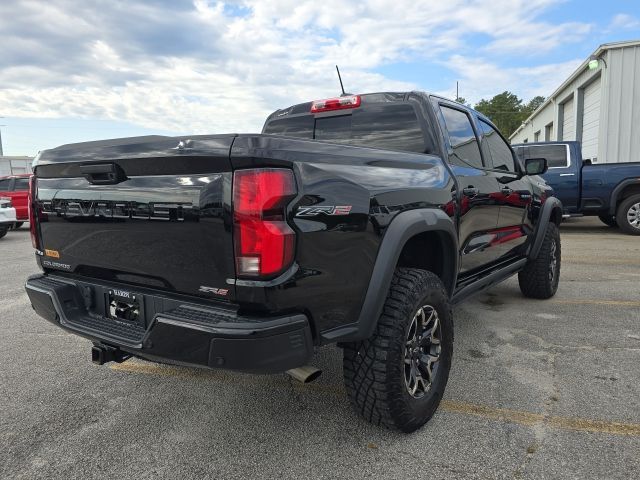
[(389, 125)]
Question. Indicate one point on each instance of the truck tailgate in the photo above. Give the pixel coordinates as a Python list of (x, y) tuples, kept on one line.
[(162, 219)]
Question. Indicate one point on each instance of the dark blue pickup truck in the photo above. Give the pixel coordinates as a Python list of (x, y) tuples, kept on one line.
[(611, 190)]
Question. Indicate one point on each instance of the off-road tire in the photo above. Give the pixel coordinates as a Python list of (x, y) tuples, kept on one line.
[(624, 210), (374, 369), (3, 231), (535, 279), (609, 220)]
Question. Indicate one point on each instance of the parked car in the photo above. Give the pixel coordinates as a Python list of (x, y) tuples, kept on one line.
[(7, 216), (16, 187), (357, 220), (610, 191)]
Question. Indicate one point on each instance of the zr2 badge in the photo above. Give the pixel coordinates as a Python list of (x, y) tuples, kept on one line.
[(324, 209)]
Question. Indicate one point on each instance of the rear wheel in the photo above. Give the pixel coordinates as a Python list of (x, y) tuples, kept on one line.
[(539, 278), (17, 225), (397, 377), (609, 220), (628, 215)]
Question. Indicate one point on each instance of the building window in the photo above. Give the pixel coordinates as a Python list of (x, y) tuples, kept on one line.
[(536, 136), (526, 140), (548, 132)]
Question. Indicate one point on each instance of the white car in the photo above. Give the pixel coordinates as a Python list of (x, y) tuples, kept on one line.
[(7, 216)]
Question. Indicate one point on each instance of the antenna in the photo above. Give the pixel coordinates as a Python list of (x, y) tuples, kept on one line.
[(340, 78)]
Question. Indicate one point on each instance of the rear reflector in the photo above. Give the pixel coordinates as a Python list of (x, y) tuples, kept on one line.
[(338, 103), (264, 242)]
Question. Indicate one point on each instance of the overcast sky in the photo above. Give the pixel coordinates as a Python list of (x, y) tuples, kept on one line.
[(73, 70)]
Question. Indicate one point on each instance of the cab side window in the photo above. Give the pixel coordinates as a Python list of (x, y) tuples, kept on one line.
[(462, 137), (21, 184), (4, 184), (495, 149)]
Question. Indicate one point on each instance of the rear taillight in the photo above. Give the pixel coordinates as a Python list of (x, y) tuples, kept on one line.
[(264, 242), (338, 103), (33, 229)]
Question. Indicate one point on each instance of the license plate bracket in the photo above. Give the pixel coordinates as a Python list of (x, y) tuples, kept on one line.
[(125, 306)]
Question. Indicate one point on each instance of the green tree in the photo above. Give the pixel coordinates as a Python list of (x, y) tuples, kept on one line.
[(532, 106), (505, 111), (462, 100)]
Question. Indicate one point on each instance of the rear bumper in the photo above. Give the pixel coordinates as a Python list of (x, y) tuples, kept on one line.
[(174, 330), (7, 216)]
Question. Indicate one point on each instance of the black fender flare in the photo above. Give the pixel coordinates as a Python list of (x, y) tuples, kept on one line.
[(549, 206), (613, 200), (404, 226)]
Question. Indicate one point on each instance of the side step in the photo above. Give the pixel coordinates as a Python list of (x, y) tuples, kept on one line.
[(488, 280)]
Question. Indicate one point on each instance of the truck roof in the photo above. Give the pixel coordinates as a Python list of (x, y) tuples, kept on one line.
[(555, 142), (374, 97), (15, 175)]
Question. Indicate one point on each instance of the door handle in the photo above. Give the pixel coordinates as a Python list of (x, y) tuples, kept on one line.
[(567, 174), (470, 191), (103, 173)]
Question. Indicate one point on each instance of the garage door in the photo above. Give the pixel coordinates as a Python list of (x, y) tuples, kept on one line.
[(568, 122), (591, 120)]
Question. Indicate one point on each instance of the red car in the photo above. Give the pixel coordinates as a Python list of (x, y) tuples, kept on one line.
[(16, 187)]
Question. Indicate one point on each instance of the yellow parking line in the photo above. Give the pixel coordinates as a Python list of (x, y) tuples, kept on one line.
[(598, 261), (621, 303), (450, 406), (161, 370), (530, 419)]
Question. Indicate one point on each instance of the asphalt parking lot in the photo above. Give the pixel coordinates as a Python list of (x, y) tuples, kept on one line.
[(538, 389)]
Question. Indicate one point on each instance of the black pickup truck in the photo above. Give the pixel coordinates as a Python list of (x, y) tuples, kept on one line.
[(357, 220)]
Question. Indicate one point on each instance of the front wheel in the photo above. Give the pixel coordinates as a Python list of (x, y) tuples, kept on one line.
[(628, 215), (609, 220), (397, 377), (540, 277)]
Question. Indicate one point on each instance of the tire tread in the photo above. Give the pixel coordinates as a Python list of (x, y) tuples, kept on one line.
[(368, 371), (534, 279)]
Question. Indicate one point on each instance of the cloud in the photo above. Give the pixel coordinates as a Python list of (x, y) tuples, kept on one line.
[(206, 66), (623, 21), (483, 79)]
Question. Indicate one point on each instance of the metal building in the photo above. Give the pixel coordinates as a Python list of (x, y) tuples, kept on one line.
[(598, 105), (15, 165)]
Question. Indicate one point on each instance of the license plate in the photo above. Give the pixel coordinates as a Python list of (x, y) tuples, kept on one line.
[(125, 306)]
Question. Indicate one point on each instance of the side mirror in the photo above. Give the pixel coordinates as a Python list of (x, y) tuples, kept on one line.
[(535, 166)]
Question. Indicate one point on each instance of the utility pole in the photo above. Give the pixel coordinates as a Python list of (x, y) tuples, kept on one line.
[(1, 152)]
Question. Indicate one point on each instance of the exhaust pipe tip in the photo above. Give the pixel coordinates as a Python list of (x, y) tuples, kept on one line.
[(306, 374)]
